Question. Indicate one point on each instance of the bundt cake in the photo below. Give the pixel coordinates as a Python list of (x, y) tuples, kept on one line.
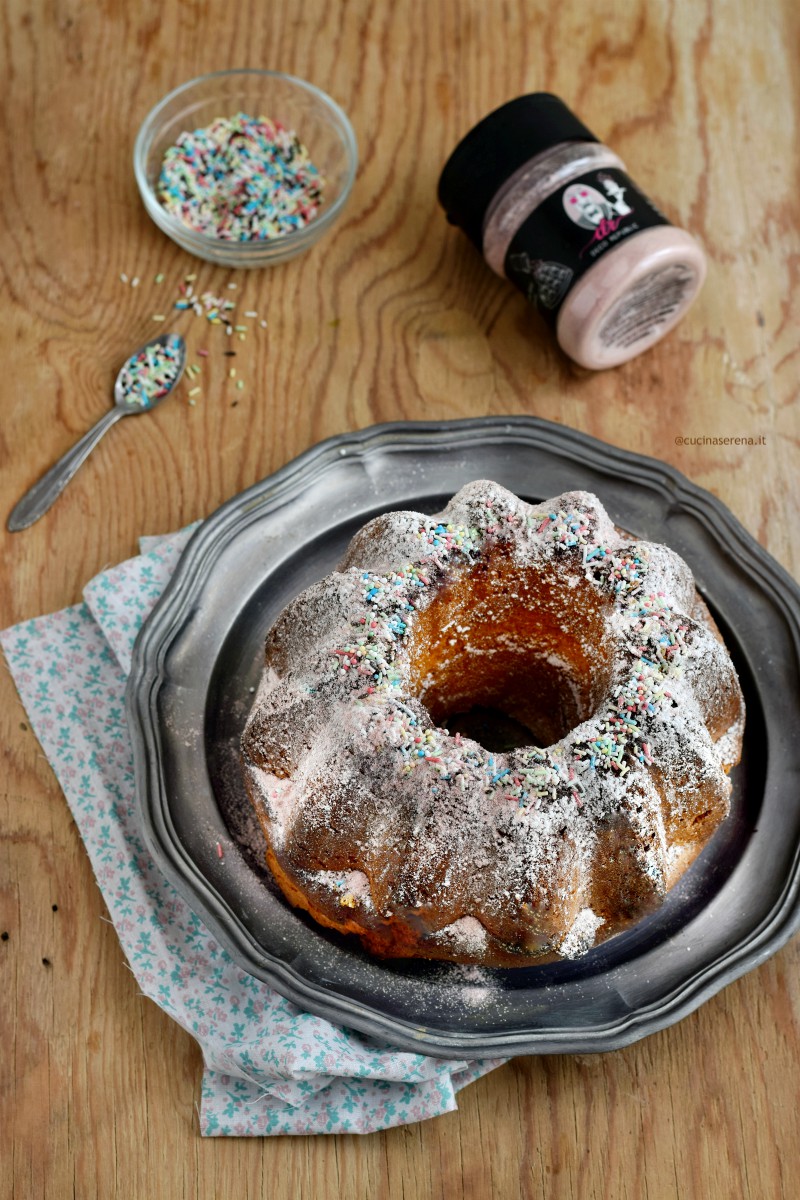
[(613, 714)]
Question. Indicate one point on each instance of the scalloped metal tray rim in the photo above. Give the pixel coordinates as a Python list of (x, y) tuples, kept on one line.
[(164, 624)]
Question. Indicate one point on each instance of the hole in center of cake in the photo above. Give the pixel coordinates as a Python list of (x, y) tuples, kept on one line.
[(494, 729), (512, 656)]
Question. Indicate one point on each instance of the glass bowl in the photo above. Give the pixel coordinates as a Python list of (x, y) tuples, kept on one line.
[(318, 121)]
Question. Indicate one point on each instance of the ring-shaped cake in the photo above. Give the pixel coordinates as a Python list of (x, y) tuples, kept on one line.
[(498, 735)]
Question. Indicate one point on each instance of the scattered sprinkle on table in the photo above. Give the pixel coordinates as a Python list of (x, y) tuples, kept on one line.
[(149, 375), (241, 179), (216, 310)]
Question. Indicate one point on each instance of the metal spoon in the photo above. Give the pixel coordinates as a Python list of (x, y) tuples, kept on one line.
[(129, 399)]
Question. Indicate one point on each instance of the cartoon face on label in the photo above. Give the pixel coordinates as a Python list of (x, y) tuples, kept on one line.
[(586, 206)]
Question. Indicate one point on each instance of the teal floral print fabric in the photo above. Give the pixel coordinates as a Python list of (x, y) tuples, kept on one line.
[(270, 1068)]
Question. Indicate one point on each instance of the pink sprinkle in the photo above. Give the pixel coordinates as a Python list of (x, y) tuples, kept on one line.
[(219, 850), (204, 353)]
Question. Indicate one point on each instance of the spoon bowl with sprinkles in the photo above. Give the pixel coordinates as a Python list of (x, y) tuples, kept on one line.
[(146, 378)]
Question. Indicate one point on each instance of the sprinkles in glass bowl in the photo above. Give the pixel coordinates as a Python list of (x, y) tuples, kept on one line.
[(241, 179), (241, 189)]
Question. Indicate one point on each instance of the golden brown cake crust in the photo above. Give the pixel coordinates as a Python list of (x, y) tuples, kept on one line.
[(383, 822)]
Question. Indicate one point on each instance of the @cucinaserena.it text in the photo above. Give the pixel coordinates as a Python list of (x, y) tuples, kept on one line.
[(706, 440)]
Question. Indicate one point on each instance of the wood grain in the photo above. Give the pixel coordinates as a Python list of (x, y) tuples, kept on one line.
[(392, 316)]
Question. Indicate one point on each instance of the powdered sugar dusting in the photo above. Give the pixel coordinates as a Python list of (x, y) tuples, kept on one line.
[(582, 933), (474, 855), (352, 887), (465, 934)]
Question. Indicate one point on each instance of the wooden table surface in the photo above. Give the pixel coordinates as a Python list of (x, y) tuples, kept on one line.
[(393, 316)]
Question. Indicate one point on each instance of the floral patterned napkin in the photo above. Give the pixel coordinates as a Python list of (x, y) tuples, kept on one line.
[(269, 1067)]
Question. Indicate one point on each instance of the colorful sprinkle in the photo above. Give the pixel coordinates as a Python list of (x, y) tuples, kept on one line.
[(151, 373), (240, 179), (657, 638)]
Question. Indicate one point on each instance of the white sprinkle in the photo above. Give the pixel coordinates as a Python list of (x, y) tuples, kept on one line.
[(123, 277), (251, 314), (135, 281), (263, 324), (232, 286)]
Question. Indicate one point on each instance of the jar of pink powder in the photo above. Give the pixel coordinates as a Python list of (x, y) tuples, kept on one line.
[(554, 211)]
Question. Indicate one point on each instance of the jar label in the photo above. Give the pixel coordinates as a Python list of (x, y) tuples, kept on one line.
[(646, 308), (569, 231)]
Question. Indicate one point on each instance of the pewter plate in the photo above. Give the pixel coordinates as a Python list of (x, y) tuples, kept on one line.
[(197, 660)]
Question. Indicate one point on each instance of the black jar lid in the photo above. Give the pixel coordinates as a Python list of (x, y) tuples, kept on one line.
[(498, 146)]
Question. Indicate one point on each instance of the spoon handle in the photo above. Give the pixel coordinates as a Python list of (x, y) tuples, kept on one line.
[(37, 500)]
